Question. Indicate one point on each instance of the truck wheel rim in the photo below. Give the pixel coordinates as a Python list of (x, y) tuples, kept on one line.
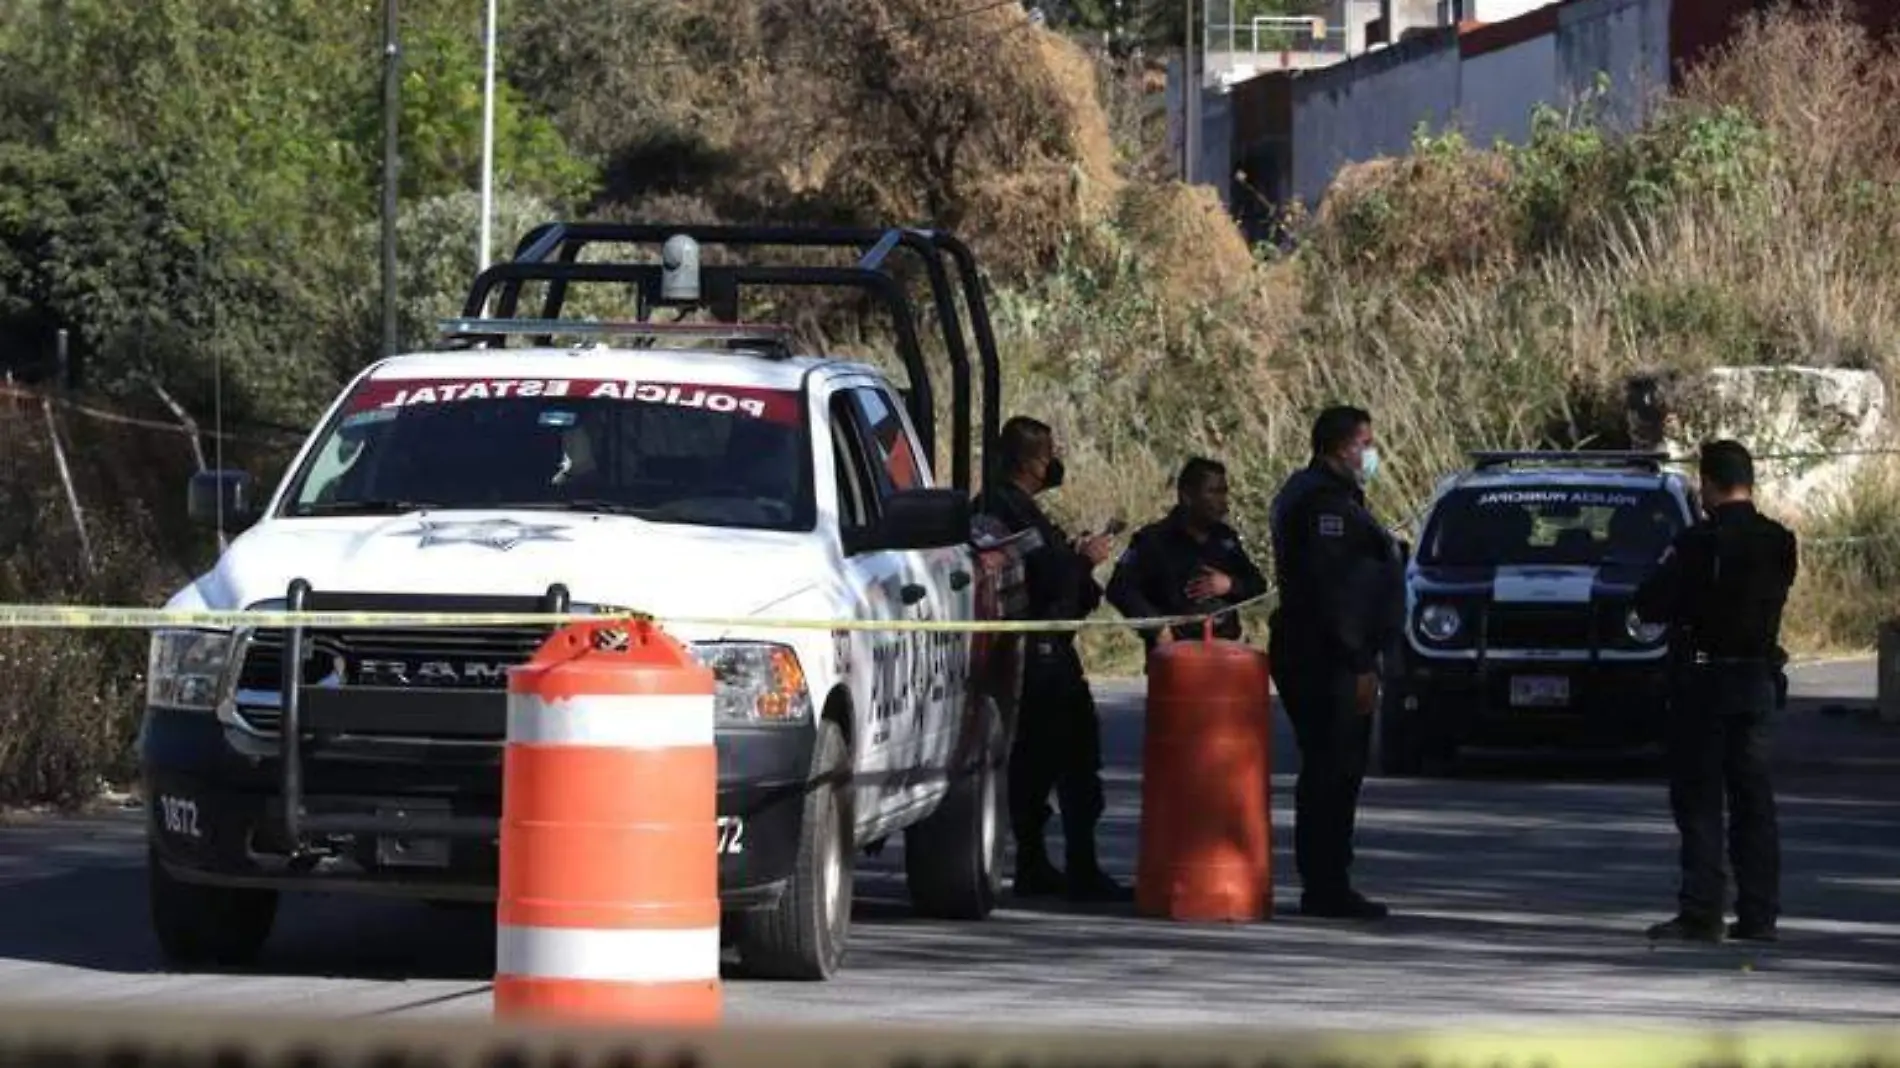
[(988, 818), (833, 879)]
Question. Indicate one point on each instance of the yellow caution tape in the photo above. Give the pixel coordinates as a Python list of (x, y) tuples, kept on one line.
[(42, 616)]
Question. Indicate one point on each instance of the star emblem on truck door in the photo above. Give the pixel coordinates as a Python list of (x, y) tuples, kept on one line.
[(499, 534)]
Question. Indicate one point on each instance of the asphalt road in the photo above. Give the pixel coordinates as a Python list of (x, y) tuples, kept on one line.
[(1520, 888)]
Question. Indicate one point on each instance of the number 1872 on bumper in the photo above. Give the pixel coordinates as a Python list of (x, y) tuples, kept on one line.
[(731, 835)]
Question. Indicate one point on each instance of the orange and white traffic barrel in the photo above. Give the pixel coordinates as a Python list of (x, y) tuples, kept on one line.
[(1206, 837), (608, 902)]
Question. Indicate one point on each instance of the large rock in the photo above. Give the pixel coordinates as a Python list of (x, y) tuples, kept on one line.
[(1803, 424)]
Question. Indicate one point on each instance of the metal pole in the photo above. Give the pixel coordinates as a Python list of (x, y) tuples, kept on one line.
[(488, 137), (1188, 95), (391, 127)]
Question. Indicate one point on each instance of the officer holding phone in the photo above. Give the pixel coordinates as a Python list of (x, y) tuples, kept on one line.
[(1058, 740), (1187, 563)]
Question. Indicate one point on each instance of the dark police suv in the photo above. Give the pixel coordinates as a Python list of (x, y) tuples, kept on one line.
[(1519, 627)]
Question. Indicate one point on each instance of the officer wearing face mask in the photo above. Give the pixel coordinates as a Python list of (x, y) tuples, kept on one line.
[(1058, 737), (1342, 600)]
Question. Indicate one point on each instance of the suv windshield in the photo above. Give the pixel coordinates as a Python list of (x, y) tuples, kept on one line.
[(670, 452), (1551, 524)]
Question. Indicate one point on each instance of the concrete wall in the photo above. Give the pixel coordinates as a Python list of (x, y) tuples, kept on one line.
[(1626, 39), (1485, 79), (1495, 89), (1215, 147), (1369, 107)]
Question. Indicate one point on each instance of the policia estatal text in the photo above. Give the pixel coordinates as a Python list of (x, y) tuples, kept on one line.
[(1341, 581), (1721, 588), (1058, 734)]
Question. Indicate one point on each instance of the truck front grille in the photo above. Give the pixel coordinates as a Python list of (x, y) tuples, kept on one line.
[(467, 659)]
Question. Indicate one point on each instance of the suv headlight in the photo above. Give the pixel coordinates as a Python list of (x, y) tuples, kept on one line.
[(1646, 633), (1440, 622), (186, 669), (755, 682)]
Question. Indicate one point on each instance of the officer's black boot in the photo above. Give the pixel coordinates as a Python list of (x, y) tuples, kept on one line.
[(1342, 905), (1686, 928), (1087, 881), (1035, 876)]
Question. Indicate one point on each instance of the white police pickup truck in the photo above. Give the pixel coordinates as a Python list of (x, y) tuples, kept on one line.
[(733, 480)]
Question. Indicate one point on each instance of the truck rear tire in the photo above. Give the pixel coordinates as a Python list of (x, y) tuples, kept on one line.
[(804, 935), (207, 925), (953, 861)]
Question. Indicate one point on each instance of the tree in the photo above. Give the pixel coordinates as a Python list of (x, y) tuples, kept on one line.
[(201, 207)]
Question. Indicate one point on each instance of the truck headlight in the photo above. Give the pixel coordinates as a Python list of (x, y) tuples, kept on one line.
[(1645, 633), (186, 669), (1439, 622), (755, 682)]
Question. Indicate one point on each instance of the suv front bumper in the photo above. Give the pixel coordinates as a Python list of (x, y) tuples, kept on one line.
[(215, 812), (1612, 703)]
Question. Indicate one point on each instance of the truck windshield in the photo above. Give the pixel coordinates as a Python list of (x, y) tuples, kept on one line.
[(669, 452), (1551, 524)]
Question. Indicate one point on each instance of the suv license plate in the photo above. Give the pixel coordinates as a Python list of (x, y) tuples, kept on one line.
[(1540, 691)]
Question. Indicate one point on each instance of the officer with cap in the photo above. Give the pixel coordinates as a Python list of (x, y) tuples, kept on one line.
[(1721, 587), (1058, 736), (1342, 599), (1190, 562)]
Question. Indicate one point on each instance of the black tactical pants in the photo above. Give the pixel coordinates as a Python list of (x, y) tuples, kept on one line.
[(1335, 744), (1058, 746), (1718, 740)]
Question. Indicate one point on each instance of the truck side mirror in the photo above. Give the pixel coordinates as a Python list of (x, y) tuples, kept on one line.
[(233, 489), (920, 519)]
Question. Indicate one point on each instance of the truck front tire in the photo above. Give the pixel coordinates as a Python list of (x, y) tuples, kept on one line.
[(953, 861), (207, 925), (804, 935)]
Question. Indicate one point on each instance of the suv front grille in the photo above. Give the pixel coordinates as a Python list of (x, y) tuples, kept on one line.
[(1539, 627)]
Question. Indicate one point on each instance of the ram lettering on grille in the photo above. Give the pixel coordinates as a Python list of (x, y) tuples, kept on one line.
[(429, 673)]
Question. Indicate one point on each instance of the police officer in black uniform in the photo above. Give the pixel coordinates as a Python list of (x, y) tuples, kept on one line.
[(1058, 736), (1721, 588), (1341, 580), (1188, 563)]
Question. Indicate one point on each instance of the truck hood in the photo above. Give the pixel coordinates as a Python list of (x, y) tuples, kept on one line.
[(664, 569)]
